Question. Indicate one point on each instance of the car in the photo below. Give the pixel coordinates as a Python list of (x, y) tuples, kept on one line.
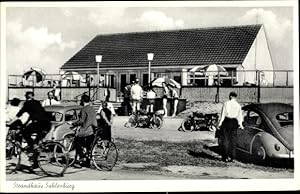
[(268, 131), (60, 115)]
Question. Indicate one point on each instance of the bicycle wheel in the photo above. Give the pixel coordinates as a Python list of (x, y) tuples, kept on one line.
[(68, 143), (186, 125), (104, 157), (13, 156), (156, 123), (131, 123), (52, 163)]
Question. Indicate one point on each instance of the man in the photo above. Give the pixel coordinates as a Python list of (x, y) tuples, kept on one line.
[(136, 96), (50, 100), (85, 134), (127, 98), (231, 119), (38, 122)]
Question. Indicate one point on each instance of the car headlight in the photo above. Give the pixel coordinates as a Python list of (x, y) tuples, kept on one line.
[(277, 147)]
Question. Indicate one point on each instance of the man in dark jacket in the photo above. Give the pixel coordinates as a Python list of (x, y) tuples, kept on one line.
[(84, 136), (38, 122)]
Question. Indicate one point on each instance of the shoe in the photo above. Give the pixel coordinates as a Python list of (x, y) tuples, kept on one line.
[(34, 166), (76, 165)]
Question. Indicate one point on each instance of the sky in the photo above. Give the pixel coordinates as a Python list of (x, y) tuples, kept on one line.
[(46, 37)]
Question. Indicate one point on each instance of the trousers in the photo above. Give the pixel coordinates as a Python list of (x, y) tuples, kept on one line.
[(228, 138)]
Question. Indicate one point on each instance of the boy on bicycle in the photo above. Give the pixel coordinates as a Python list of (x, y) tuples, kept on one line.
[(85, 134)]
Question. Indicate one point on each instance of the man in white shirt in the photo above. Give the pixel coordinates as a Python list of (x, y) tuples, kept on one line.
[(50, 100), (136, 96), (231, 119)]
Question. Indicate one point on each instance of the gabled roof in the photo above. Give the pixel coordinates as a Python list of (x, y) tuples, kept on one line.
[(219, 45)]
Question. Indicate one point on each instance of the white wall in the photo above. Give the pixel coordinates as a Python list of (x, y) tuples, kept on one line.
[(258, 58)]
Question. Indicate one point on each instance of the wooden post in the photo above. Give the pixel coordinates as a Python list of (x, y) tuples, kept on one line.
[(287, 78)]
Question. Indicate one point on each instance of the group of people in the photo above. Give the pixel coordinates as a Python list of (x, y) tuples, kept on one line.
[(133, 97), (31, 118)]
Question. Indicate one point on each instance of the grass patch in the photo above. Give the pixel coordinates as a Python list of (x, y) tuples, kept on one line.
[(192, 153)]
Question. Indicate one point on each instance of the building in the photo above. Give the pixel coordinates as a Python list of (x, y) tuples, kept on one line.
[(241, 50)]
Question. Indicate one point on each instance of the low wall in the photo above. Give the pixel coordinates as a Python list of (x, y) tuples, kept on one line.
[(245, 94), (192, 94)]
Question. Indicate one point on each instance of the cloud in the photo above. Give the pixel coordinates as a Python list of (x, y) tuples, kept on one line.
[(276, 28), (106, 16), (33, 46), (157, 20)]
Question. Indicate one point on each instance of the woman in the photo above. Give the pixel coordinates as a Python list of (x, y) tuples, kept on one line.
[(104, 120), (175, 97), (166, 93)]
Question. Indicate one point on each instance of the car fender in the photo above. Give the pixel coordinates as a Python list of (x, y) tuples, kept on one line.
[(61, 131), (268, 142)]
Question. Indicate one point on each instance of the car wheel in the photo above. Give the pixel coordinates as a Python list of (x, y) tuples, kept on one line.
[(258, 151)]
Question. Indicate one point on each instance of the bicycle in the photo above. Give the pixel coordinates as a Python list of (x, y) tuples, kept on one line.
[(101, 156), (44, 153)]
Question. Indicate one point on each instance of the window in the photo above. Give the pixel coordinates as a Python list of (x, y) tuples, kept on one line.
[(285, 119), (55, 116), (177, 78), (70, 115), (254, 119)]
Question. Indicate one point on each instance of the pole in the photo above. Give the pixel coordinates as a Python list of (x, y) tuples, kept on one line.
[(149, 73), (98, 79)]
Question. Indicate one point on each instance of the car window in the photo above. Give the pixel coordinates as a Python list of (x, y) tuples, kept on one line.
[(70, 115), (254, 118), (77, 112), (285, 119), (55, 116)]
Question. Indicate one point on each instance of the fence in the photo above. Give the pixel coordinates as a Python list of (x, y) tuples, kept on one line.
[(268, 78), (67, 93)]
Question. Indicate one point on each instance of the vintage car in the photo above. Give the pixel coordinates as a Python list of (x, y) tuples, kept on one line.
[(268, 131), (60, 116)]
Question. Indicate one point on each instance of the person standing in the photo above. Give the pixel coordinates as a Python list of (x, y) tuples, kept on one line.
[(136, 96), (151, 99), (166, 94), (50, 100), (104, 121), (56, 91), (107, 94), (127, 98), (175, 98), (231, 119), (84, 137)]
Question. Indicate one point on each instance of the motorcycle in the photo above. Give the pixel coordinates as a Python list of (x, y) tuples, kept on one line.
[(144, 119), (199, 121)]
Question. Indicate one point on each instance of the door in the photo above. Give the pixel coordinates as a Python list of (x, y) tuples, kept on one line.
[(145, 79), (123, 82), (252, 125), (132, 77)]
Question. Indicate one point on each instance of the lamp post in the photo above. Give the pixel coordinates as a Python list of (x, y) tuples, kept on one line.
[(150, 58), (98, 61)]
